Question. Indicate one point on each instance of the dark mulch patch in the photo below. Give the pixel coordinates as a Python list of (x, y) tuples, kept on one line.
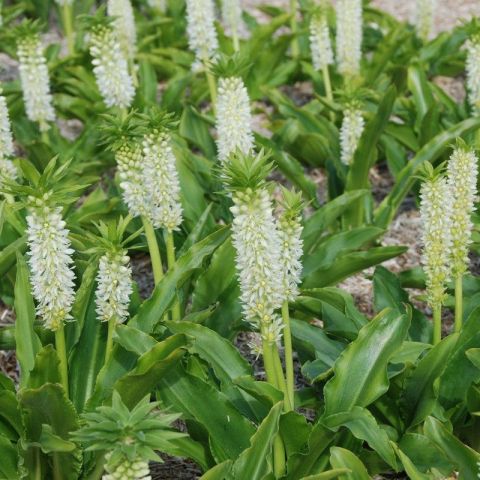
[(174, 468)]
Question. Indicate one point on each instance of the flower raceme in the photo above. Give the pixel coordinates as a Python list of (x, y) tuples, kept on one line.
[(202, 36), (232, 15), (161, 180), (349, 36), (473, 72), (35, 80), (124, 24), (320, 43), (425, 15), (257, 244), (50, 260), (126, 469), (435, 211), (7, 168), (462, 172), (234, 118), (110, 67), (350, 132), (114, 288)]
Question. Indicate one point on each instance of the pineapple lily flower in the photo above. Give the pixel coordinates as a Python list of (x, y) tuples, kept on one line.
[(110, 65), (232, 16), (351, 131), (435, 211), (462, 173), (291, 249), (202, 36), (321, 47), (34, 76), (349, 36), (425, 15), (129, 438), (8, 170), (473, 72)]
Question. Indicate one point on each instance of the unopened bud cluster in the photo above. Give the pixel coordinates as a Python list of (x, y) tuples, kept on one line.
[(50, 260), (350, 133), (35, 80), (110, 67), (202, 36), (234, 118), (114, 288), (126, 469)]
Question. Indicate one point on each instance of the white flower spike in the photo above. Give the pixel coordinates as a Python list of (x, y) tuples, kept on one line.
[(232, 17), (161, 179), (234, 118), (124, 23), (320, 43), (35, 80), (202, 36), (349, 36), (462, 173), (50, 260), (351, 131), (435, 211), (425, 16), (473, 72), (110, 67), (114, 288)]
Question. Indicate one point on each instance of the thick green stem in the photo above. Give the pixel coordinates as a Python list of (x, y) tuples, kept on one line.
[(62, 355), (133, 72), (294, 28), (38, 465), (68, 27), (154, 250), (287, 341), (212, 86), (112, 323), (176, 314), (44, 135), (278, 446), (437, 324), (458, 303), (328, 88), (97, 472), (235, 39)]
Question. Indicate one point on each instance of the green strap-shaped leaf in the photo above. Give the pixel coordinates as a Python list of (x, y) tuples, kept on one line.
[(27, 342), (408, 465), (218, 472), (329, 475), (464, 457), (256, 461), (341, 458), (9, 459), (361, 371)]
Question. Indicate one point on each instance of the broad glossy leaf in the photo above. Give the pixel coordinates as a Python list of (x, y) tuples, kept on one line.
[(9, 456), (218, 472), (229, 431), (361, 371), (464, 457), (419, 396), (341, 458), (8, 255), (412, 471)]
